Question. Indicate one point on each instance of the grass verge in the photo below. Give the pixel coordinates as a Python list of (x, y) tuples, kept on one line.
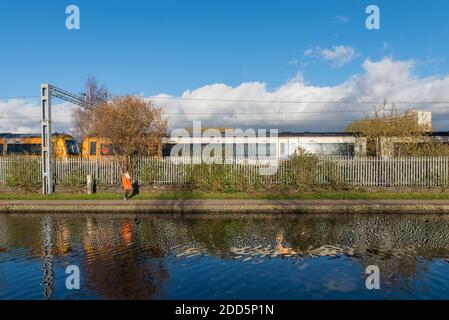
[(178, 195)]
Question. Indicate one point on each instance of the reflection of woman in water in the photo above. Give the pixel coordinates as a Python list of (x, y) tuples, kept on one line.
[(285, 251), (121, 268), (126, 231)]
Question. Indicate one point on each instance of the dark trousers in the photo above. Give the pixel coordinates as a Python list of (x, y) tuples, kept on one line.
[(127, 193)]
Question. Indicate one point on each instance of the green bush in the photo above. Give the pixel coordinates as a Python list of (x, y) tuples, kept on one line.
[(300, 172), (73, 179), (215, 178), (24, 172), (150, 173)]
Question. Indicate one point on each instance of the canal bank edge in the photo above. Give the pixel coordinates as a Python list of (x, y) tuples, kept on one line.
[(224, 206)]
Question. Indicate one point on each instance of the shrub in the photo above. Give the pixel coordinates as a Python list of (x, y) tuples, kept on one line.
[(215, 177), (300, 171), (150, 173), (73, 179), (24, 172)]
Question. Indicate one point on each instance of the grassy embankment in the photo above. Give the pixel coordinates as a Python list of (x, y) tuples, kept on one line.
[(178, 195)]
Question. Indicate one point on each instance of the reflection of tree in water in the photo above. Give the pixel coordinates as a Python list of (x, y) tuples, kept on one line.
[(3, 246), (394, 243), (126, 258), (22, 232), (3, 234), (399, 244), (281, 247), (117, 268), (120, 264)]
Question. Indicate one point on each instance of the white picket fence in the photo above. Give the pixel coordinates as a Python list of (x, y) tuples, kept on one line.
[(359, 171)]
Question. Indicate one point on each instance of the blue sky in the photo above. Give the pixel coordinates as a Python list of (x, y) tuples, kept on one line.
[(286, 50), (171, 46)]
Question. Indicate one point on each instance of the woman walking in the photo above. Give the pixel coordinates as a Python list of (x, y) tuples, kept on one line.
[(127, 185)]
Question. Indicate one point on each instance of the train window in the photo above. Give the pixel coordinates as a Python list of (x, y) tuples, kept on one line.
[(312, 148), (19, 148), (334, 149), (106, 149), (284, 151), (1, 149), (93, 148), (166, 149), (270, 149), (252, 150), (338, 149), (239, 150), (351, 150), (72, 148)]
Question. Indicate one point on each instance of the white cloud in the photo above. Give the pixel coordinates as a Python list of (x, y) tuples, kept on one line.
[(23, 116), (387, 78), (340, 20), (338, 56), (298, 78), (308, 52)]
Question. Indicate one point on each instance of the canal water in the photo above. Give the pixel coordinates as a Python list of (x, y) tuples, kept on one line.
[(224, 256)]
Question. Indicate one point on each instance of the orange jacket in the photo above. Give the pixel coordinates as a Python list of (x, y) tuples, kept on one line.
[(126, 183)]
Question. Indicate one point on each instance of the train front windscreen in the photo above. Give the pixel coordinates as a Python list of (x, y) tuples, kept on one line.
[(72, 148)]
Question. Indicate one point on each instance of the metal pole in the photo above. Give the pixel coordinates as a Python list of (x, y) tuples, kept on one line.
[(47, 155)]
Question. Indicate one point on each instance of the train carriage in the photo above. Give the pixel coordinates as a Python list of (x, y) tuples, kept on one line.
[(64, 145)]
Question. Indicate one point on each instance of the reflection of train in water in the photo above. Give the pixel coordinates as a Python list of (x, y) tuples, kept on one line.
[(64, 145)]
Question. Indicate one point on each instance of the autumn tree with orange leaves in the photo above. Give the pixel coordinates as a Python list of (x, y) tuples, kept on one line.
[(133, 126)]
